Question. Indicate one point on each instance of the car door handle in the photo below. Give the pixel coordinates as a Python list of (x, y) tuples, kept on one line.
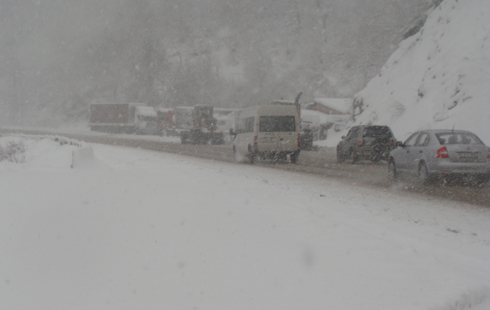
[(421, 151)]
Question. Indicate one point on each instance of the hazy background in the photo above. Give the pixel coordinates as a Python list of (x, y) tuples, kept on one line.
[(58, 56)]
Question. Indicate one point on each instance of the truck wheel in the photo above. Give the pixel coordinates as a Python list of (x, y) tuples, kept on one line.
[(251, 158), (184, 138), (251, 155)]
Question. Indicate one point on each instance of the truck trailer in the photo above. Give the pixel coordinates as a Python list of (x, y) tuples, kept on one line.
[(123, 118)]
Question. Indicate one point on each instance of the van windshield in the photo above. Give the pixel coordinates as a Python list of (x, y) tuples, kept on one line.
[(282, 123)]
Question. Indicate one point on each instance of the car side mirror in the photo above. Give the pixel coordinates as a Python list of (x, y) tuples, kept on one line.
[(343, 137), (399, 144), (232, 132)]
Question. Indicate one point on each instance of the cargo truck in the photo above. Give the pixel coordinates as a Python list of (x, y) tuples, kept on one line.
[(123, 118), (203, 129)]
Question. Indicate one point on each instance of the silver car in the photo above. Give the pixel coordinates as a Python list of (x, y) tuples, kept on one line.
[(445, 154)]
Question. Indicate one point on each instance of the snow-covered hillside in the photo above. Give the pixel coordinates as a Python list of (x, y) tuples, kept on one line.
[(438, 78)]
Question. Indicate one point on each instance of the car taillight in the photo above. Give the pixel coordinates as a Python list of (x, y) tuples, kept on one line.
[(360, 143), (488, 156), (255, 140), (442, 153), (299, 140)]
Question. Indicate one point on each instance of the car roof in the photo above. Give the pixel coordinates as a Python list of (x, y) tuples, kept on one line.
[(444, 131), (383, 126)]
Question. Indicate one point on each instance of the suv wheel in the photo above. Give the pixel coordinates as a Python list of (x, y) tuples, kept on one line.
[(340, 156), (353, 156), (376, 157)]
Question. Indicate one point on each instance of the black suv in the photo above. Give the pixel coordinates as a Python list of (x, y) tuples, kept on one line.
[(366, 142)]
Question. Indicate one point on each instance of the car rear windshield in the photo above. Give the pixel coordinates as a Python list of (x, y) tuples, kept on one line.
[(377, 132), (282, 123), (457, 138)]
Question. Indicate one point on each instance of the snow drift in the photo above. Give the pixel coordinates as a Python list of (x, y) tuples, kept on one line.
[(150, 230), (438, 78)]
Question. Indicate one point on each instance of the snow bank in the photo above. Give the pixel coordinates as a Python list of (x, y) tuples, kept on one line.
[(162, 231), (44, 152), (438, 78)]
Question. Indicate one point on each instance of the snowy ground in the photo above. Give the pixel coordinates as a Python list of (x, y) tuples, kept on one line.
[(147, 230)]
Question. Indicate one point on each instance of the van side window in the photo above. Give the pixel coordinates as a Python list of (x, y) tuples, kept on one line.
[(246, 125)]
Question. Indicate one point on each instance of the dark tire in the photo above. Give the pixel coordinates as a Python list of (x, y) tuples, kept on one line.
[(184, 138), (235, 155), (294, 157), (251, 158), (353, 156), (340, 156), (376, 157), (275, 159), (392, 173), (251, 155), (423, 176), (484, 180)]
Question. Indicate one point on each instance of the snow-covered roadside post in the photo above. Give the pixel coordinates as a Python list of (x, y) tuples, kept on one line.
[(83, 157)]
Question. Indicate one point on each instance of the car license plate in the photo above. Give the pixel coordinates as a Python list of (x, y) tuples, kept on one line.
[(468, 154)]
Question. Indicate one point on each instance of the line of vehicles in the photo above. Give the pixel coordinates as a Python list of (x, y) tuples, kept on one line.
[(273, 131), (428, 155), (195, 125)]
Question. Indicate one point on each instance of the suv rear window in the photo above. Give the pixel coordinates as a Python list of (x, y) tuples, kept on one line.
[(282, 123), (377, 132), (457, 138)]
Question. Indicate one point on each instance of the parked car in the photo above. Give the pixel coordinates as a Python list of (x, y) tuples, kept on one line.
[(366, 142), (442, 154)]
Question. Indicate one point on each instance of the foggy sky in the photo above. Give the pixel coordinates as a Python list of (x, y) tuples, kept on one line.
[(58, 56)]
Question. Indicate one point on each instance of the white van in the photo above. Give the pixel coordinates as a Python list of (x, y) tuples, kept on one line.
[(267, 131)]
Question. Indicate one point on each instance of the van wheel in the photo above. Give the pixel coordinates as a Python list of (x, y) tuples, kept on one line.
[(294, 158)]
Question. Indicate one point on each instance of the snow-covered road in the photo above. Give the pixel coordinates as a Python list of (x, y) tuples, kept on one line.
[(148, 230)]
